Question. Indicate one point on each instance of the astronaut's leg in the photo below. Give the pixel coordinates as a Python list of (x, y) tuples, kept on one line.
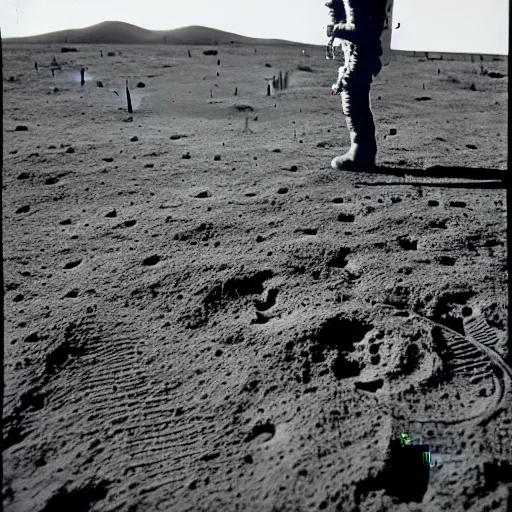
[(361, 64), (355, 100)]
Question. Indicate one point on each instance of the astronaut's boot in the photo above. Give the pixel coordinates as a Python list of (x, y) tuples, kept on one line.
[(359, 118)]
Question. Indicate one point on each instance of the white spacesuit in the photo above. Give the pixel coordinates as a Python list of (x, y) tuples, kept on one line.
[(364, 26)]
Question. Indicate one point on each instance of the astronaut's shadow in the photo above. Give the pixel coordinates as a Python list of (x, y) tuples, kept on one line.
[(481, 178)]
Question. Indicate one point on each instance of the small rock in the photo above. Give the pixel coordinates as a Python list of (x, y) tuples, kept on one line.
[(108, 159), (447, 260), (392, 131), (128, 120), (457, 204), (282, 190), (472, 87), (151, 260), (433, 202), (99, 84), (21, 128), (24, 176), (113, 213), (134, 138), (31, 338), (293, 168), (186, 156), (23, 209), (346, 217), (216, 158), (140, 85), (471, 146), (70, 150), (149, 166)]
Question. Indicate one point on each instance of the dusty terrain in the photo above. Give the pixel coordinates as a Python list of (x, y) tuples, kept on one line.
[(246, 328)]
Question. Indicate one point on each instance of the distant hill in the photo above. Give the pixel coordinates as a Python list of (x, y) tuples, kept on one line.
[(118, 32)]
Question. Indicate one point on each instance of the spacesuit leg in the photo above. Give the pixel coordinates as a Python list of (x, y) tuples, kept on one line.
[(361, 64)]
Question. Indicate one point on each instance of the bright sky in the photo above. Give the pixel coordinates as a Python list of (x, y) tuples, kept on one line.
[(470, 26)]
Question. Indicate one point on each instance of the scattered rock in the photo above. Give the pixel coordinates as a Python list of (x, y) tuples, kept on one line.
[(244, 108), (108, 159), (128, 120), (282, 190), (111, 214), (99, 84), (151, 260), (433, 202), (407, 243), (140, 85), (185, 156), (346, 217), (447, 260), (21, 128), (134, 138), (457, 204), (72, 264), (372, 385), (32, 338), (438, 224), (423, 98), (203, 194), (70, 150), (471, 146), (216, 158), (149, 166), (24, 176), (392, 131), (23, 209)]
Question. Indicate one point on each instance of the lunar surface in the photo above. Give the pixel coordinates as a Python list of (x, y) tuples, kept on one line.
[(202, 315)]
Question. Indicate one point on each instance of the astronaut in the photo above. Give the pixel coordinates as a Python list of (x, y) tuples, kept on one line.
[(364, 27)]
